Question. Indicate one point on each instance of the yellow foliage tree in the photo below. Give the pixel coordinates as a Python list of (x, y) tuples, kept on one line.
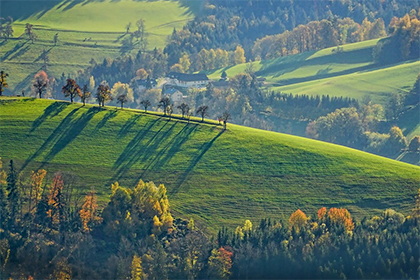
[(37, 178), (136, 269), (88, 213), (239, 55), (297, 220)]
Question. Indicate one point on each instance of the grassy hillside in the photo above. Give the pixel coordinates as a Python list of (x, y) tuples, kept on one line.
[(217, 177), (92, 29), (349, 73)]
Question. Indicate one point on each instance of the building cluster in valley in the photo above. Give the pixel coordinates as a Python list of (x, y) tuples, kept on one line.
[(175, 84)]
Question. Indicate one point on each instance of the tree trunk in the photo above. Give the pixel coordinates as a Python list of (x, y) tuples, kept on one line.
[(71, 98), (84, 102), (122, 103)]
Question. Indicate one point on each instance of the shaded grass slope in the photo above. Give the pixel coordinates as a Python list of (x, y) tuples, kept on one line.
[(216, 177)]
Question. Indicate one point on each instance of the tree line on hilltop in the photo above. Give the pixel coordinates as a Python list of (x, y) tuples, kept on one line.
[(50, 229)]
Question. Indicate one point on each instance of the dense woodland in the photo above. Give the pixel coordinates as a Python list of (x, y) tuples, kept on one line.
[(50, 230), (226, 24)]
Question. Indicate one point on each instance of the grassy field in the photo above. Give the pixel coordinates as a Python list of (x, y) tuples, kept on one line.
[(216, 177), (349, 73), (92, 29)]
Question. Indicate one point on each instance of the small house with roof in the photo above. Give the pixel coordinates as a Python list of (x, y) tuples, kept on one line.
[(187, 80), (144, 83), (175, 95)]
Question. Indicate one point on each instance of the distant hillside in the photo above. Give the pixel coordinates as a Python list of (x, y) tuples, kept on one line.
[(92, 29), (215, 176), (349, 73)]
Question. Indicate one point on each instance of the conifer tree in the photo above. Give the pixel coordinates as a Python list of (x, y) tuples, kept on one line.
[(12, 192)]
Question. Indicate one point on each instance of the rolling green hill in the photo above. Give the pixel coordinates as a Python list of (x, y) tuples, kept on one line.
[(92, 29), (349, 73), (216, 177)]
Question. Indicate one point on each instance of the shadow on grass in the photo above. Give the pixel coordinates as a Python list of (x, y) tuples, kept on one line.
[(131, 152), (157, 151), (18, 49), (69, 128), (128, 125), (157, 159), (143, 152), (107, 117), (49, 112), (204, 148), (70, 133)]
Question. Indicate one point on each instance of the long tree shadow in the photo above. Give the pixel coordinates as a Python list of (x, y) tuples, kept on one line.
[(17, 48), (126, 157), (49, 112), (204, 148), (168, 151), (52, 138), (128, 125), (144, 152), (107, 117), (72, 131)]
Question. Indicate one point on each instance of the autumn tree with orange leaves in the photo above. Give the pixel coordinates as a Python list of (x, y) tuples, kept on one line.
[(72, 89), (341, 216), (220, 263)]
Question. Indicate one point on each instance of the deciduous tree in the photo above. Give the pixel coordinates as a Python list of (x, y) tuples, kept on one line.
[(225, 118), (89, 213), (146, 104), (297, 220), (72, 89), (122, 99), (414, 144), (37, 179), (164, 103), (40, 83), (202, 111), (85, 95), (184, 109), (136, 269), (103, 94)]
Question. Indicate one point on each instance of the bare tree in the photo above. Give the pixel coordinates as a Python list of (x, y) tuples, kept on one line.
[(146, 103), (225, 118), (29, 30), (46, 58), (184, 109), (55, 40), (122, 99), (140, 33), (127, 27), (85, 94), (164, 103), (202, 111)]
